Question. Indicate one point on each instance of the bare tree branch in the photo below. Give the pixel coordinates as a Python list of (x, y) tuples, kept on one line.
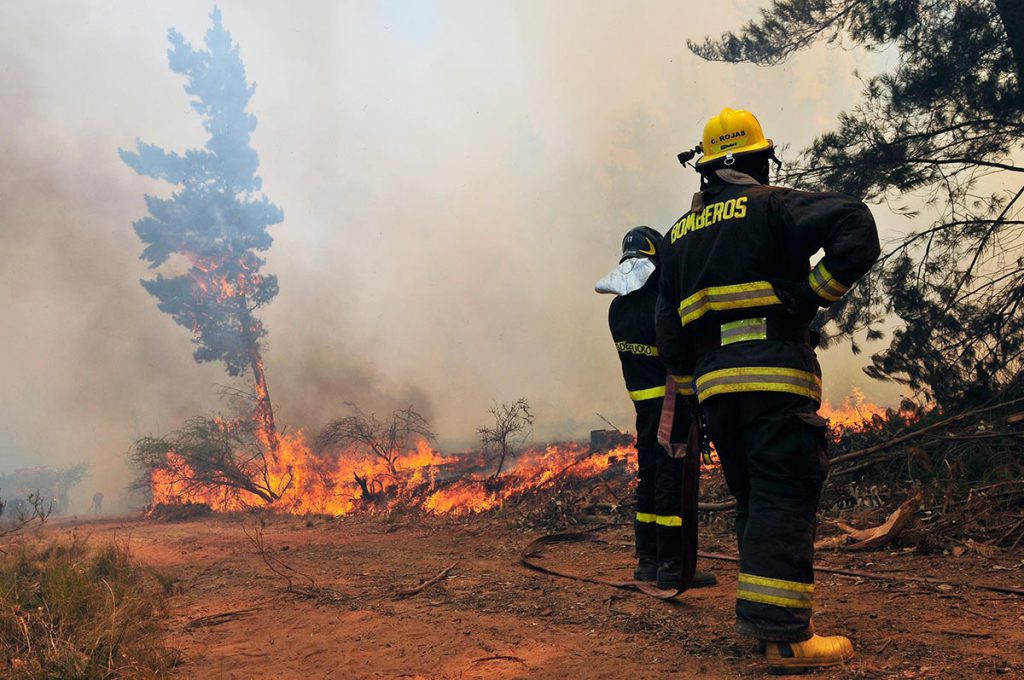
[(34, 509), (513, 424), (210, 456), (385, 439)]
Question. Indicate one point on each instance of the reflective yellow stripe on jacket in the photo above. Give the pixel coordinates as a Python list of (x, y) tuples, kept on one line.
[(718, 298), (649, 393), (744, 330), (775, 591), (825, 285), (759, 379), (684, 386)]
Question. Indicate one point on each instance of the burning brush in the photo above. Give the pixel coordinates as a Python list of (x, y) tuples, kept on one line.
[(357, 477)]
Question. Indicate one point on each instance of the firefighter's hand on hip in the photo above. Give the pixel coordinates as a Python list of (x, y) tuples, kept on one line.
[(797, 299)]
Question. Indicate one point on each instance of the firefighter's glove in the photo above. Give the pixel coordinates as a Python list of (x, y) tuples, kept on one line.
[(797, 299)]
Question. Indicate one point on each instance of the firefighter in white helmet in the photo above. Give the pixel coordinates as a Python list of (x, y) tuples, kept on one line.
[(658, 524)]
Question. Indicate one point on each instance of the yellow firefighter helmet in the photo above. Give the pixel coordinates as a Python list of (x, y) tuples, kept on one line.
[(733, 132)]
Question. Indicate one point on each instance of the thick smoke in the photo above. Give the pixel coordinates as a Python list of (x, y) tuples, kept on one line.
[(455, 175)]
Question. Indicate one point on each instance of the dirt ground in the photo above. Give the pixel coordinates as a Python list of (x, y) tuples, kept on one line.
[(492, 618)]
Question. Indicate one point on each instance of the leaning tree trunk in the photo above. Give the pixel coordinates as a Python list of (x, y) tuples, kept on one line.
[(264, 413)]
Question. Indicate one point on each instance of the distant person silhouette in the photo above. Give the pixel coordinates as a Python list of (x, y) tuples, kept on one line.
[(97, 503)]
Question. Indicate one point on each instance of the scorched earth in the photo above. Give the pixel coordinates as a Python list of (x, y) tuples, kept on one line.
[(489, 617)]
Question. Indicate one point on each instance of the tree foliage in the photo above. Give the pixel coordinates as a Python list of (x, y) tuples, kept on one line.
[(216, 218), (941, 127)]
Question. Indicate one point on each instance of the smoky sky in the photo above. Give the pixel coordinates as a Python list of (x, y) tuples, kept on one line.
[(454, 177)]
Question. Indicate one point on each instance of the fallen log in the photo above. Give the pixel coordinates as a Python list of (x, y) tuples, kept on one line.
[(875, 537)]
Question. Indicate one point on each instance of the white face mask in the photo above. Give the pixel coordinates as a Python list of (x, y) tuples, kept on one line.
[(630, 275)]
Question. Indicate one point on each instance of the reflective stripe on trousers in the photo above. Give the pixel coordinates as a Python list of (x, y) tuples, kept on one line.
[(775, 591), (663, 520)]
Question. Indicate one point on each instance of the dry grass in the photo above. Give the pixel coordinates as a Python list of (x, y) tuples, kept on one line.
[(69, 609)]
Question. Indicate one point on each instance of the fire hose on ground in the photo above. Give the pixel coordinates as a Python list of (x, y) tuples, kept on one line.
[(528, 558), (691, 454)]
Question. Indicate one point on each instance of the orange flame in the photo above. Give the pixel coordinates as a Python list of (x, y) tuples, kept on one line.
[(534, 470), (855, 411), (223, 279), (858, 415), (424, 478), (301, 481)]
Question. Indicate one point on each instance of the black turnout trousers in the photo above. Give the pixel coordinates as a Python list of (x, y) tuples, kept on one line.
[(773, 451), (659, 496)]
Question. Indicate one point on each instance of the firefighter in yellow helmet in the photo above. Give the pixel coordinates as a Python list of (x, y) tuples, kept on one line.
[(736, 298)]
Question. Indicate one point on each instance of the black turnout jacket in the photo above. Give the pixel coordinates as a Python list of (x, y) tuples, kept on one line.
[(737, 291), (631, 320)]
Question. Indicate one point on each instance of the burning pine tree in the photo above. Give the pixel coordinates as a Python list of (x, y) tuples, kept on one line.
[(216, 222), (216, 219)]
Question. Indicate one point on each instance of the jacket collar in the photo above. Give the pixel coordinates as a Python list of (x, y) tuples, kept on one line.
[(727, 176)]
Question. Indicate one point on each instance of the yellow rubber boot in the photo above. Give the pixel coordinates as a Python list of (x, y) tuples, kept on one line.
[(790, 658)]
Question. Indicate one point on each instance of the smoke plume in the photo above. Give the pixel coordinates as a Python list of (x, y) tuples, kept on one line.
[(456, 177)]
